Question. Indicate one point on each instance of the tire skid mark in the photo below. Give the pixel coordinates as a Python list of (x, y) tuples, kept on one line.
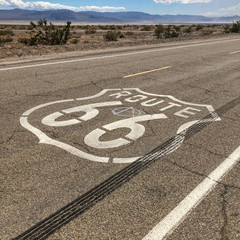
[(48, 226)]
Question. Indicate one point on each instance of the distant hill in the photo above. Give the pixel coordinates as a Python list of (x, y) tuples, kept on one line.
[(107, 17)]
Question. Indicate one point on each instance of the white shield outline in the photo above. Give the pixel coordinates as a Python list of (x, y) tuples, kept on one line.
[(43, 138)]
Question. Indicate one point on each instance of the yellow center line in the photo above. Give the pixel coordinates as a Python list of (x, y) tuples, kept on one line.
[(234, 52), (154, 70)]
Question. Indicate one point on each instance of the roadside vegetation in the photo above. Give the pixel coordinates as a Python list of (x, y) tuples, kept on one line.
[(46, 34), (113, 35), (90, 30), (235, 27), (170, 31), (44, 37)]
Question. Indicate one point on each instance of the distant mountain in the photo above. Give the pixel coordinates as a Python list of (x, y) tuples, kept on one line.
[(107, 17)]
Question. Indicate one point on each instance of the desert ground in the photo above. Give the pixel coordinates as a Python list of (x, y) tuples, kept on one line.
[(92, 37)]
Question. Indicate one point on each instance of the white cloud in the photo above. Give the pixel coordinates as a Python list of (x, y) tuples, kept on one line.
[(48, 5), (181, 1), (4, 3), (225, 12)]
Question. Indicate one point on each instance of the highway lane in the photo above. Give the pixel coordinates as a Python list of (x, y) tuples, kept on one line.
[(39, 179)]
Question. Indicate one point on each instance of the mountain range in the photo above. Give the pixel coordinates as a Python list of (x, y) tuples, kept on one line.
[(107, 17)]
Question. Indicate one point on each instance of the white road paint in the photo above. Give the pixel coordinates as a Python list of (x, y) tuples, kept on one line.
[(43, 138), (51, 120), (125, 160), (117, 55), (179, 213), (209, 107), (137, 131), (188, 110), (90, 111), (28, 112)]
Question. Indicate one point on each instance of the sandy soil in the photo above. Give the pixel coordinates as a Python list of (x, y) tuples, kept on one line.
[(133, 36)]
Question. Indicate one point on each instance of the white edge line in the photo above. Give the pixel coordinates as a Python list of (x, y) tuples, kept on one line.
[(116, 55), (170, 222)]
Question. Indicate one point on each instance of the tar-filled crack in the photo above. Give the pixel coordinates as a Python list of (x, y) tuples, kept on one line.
[(200, 88), (11, 136), (15, 91), (199, 174), (184, 168), (81, 146), (53, 134), (96, 85), (206, 150), (59, 93), (224, 228), (42, 80), (150, 127)]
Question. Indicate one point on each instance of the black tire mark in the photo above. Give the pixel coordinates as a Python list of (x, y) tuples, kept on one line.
[(48, 226)]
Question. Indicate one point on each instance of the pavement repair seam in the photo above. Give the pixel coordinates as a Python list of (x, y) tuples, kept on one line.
[(48, 226), (117, 55), (167, 225)]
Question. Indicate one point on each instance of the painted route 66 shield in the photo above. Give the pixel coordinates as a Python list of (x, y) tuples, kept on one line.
[(115, 125)]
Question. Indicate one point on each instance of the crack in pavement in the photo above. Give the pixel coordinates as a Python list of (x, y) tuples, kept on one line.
[(42, 80), (52, 93), (96, 85), (224, 229), (200, 174), (206, 150), (11, 136), (82, 146), (200, 88), (55, 221), (153, 132), (15, 90)]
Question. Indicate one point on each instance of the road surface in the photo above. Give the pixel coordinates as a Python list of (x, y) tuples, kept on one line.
[(135, 143)]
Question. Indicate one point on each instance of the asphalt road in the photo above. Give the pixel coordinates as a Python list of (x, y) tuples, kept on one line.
[(138, 143)]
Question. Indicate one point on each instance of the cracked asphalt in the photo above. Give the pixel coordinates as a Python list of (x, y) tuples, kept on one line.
[(84, 180)]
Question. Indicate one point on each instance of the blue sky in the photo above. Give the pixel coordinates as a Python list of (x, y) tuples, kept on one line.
[(201, 7)]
